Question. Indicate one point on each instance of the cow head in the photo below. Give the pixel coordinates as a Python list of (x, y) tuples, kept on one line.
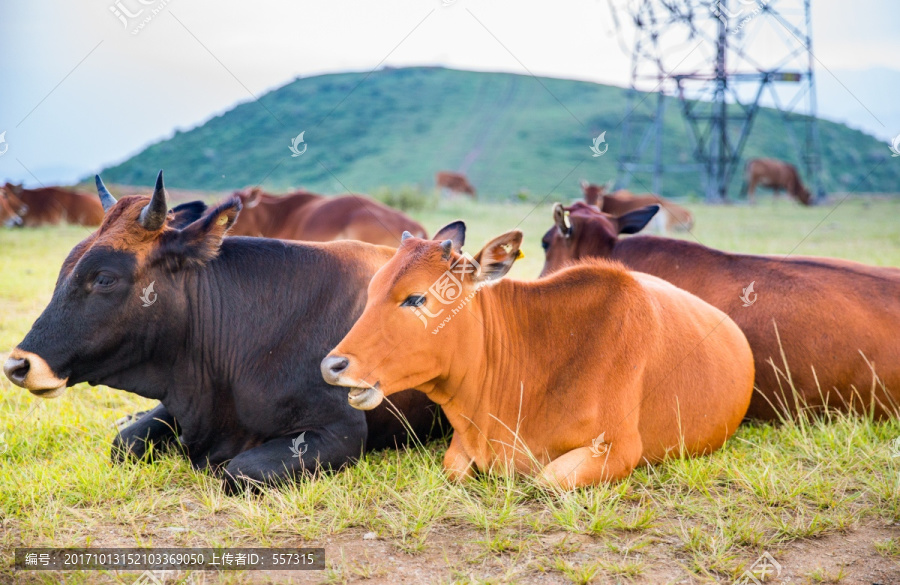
[(105, 310), (12, 209), (583, 231), (804, 196), (427, 281), (592, 193)]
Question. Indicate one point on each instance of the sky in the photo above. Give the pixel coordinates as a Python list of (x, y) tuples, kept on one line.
[(87, 84)]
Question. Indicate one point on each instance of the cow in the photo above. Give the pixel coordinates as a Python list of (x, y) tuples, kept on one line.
[(11, 209), (776, 175), (665, 374), (448, 181), (306, 216), (226, 332), (827, 325), (671, 217), (54, 205)]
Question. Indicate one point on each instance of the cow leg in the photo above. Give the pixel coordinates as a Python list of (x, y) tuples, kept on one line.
[(156, 428), (751, 192), (276, 461), (582, 467), (458, 465)]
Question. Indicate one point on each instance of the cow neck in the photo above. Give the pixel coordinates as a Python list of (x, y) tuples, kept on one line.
[(211, 315), (294, 209)]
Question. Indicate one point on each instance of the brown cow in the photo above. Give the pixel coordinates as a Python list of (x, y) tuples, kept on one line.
[(53, 205), (670, 376), (672, 217), (454, 182), (306, 216), (776, 175), (836, 319), (11, 209)]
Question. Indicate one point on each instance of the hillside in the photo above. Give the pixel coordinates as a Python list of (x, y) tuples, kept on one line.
[(399, 126)]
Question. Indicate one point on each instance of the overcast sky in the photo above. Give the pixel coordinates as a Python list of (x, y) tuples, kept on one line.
[(80, 91)]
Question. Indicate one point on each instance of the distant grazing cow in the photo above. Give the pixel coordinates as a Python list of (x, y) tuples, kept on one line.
[(454, 182), (306, 216), (55, 205), (776, 175), (579, 377), (227, 333), (836, 319), (672, 217)]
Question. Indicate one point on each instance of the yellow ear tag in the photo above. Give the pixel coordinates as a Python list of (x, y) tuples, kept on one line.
[(520, 255), (222, 220)]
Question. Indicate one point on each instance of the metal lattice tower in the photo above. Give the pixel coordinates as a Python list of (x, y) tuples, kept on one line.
[(719, 61)]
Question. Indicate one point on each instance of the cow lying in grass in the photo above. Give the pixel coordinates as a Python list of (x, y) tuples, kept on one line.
[(578, 378), (227, 333), (48, 206), (671, 216), (836, 319), (313, 218)]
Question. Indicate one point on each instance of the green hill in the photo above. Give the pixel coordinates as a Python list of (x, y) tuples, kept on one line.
[(507, 132)]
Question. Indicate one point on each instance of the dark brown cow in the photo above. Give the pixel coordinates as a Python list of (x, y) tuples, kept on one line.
[(837, 320), (454, 182), (306, 216), (54, 205), (776, 175), (668, 375), (227, 333), (671, 217)]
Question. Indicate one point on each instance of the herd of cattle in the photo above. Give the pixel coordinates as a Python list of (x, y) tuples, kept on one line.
[(274, 358)]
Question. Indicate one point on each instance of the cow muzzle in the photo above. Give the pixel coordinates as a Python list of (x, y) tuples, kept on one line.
[(362, 396), (31, 372)]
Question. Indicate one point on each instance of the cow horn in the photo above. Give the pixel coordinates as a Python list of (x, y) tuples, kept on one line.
[(106, 198), (153, 215), (561, 218), (446, 248), (405, 236)]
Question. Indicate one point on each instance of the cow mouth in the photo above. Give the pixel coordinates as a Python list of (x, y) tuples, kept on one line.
[(48, 392), (30, 371), (365, 398)]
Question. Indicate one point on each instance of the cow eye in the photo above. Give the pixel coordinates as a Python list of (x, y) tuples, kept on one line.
[(545, 245), (413, 301), (104, 279)]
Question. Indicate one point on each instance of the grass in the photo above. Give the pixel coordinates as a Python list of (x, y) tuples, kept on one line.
[(796, 490)]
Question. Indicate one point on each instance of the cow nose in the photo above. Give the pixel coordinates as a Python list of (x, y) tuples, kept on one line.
[(333, 366), (16, 369)]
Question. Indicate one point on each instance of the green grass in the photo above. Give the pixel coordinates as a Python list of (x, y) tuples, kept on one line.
[(772, 488)]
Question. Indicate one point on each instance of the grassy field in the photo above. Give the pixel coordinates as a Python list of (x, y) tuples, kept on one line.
[(822, 497)]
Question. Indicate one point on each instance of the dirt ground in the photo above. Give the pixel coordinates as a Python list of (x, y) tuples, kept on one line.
[(847, 558)]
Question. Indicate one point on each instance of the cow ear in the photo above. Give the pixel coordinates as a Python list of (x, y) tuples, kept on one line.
[(634, 221), (199, 242), (455, 232), (497, 257), (187, 213)]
